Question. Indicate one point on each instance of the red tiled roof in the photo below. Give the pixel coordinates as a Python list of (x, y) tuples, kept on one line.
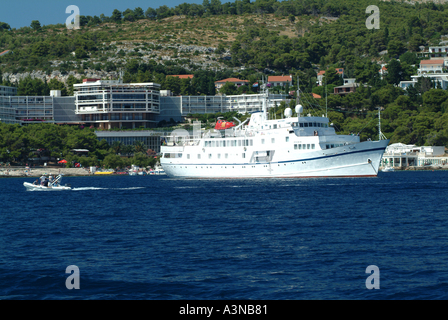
[(182, 76), (338, 70), (279, 79), (316, 96), (231, 80), (432, 61)]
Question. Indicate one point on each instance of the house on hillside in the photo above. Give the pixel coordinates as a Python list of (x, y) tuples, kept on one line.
[(346, 88), (431, 66), (237, 82), (280, 80), (320, 75), (383, 71), (432, 69)]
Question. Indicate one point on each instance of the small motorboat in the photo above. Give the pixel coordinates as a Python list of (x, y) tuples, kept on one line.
[(55, 185), (388, 169)]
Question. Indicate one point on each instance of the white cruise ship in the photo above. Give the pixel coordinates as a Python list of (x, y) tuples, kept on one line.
[(302, 147)]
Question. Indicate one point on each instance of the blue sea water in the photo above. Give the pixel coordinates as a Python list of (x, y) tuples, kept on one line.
[(152, 237)]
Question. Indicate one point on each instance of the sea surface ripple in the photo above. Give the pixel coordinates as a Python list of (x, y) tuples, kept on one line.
[(152, 237)]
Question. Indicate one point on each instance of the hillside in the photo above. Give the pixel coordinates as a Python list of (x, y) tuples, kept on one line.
[(104, 49)]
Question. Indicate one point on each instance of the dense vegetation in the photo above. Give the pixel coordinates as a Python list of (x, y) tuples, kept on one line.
[(297, 37), (20, 143)]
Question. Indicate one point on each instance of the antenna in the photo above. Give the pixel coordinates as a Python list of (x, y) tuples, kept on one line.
[(381, 136), (326, 98)]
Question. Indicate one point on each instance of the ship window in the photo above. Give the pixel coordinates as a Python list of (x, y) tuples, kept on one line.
[(226, 155), (239, 143), (313, 146), (296, 146), (213, 144), (332, 145), (219, 156), (287, 139), (301, 125), (244, 155), (188, 156), (314, 124), (272, 140), (318, 124), (328, 146), (308, 146), (262, 141), (223, 143), (199, 156), (275, 126), (209, 155), (306, 124), (251, 142)]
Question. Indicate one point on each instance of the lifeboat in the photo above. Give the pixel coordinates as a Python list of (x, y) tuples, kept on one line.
[(223, 124)]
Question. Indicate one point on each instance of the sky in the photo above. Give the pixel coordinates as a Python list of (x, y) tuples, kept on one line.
[(20, 13)]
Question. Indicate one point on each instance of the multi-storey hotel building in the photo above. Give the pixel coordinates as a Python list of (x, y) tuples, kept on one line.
[(7, 91), (108, 104)]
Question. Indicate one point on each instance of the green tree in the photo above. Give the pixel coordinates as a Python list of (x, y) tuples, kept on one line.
[(4, 26), (228, 88), (116, 15), (150, 13), (35, 25), (138, 13), (394, 72), (409, 58), (433, 100)]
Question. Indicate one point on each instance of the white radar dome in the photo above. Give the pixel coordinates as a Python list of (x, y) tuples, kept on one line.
[(288, 113), (299, 109)]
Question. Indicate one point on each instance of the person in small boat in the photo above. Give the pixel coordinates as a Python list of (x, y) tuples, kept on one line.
[(36, 183), (42, 180)]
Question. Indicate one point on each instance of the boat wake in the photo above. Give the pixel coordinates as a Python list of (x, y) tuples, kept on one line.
[(95, 188)]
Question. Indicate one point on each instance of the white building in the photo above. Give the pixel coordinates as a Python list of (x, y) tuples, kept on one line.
[(38, 109), (177, 108), (8, 91), (433, 69), (108, 104), (402, 155), (431, 66)]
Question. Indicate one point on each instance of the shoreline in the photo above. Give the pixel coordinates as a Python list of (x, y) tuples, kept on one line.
[(22, 172), (15, 172)]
